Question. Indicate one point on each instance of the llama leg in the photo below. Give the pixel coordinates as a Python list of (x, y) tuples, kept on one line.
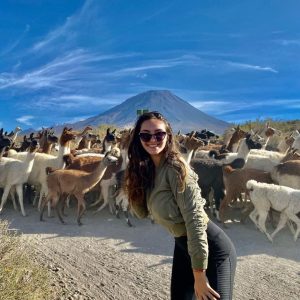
[(36, 195), (125, 211), (99, 200), (245, 212), (80, 207), (13, 198), (111, 198), (43, 192), (262, 217), (4, 197), (282, 221), (43, 204), (58, 207), (291, 226), (253, 216), (295, 218), (19, 189), (104, 192), (223, 206), (64, 198)]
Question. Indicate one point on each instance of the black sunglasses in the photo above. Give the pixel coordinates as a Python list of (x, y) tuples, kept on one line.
[(146, 137)]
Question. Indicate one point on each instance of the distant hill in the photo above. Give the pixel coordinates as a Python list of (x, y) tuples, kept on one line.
[(182, 115)]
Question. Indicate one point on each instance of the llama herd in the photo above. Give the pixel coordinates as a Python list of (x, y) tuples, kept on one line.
[(237, 170)]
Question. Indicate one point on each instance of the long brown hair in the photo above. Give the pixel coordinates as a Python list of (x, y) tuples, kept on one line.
[(140, 172)]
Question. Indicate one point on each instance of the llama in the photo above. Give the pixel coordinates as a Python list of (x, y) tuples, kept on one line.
[(79, 135), (4, 143), (245, 147), (109, 179), (267, 132), (75, 182), (235, 184), (269, 160), (188, 144), (287, 173), (296, 143), (235, 139), (46, 140), (109, 140), (210, 175), (281, 198), (14, 134), (87, 140), (38, 176), (14, 173)]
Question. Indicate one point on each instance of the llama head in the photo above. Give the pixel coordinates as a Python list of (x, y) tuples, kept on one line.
[(251, 143)]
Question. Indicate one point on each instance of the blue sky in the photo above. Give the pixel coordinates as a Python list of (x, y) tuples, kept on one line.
[(66, 60)]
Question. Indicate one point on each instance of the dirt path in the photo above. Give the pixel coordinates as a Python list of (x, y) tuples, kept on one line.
[(105, 259)]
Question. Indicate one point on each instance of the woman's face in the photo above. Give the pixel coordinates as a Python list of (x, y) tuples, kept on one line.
[(156, 144)]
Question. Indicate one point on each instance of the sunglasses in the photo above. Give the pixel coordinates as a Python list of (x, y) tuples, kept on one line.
[(146, 137)]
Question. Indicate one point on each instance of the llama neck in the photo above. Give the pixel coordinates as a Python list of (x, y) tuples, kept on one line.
[(28, 164), (93, 178), (266, 143), (88, 144), (106, 147), (14, 136), (46, 148), (188, 155), (63, 150), (243, 150), (124, 154)]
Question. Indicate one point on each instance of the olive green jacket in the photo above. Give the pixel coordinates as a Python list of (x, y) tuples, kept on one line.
[(181, 213)]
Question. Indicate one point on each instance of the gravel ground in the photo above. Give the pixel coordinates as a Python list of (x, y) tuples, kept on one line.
[(105, 259)]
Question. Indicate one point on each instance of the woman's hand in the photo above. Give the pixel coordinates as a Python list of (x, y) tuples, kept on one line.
[(203, 290)]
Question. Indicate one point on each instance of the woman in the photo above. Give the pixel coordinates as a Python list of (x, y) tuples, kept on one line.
[(159, 182)]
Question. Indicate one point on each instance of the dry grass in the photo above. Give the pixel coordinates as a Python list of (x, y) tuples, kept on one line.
[(20, 276)]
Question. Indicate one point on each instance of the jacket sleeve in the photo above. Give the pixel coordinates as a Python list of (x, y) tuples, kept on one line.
[(190, 203)]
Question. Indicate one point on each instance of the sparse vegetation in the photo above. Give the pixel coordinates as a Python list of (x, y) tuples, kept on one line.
[(20, 277), (284, 126)]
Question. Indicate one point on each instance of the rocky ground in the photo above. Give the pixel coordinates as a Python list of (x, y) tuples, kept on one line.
[(105, 259)]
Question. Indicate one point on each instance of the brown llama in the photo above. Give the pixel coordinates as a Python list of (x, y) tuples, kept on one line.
[(75, 182)]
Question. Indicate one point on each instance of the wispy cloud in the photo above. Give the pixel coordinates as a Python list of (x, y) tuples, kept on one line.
[(76, 102), (288, 42), (66, 31), (244, 66), (67, 67), (14, 44), (219, 107), (25, 120)]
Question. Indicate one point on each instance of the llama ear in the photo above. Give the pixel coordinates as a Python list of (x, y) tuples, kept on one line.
[(192, 134), (113, 132), (108, 131), (179, 132)]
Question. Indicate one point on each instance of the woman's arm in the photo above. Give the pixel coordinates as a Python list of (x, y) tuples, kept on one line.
[(191, 205)]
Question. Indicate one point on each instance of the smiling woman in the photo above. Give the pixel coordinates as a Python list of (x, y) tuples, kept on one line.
[(159, 182)]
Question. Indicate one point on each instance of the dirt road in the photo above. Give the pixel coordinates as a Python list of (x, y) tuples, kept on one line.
[(105, 259)]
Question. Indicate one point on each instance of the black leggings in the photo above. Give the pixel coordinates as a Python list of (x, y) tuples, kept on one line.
[(220, 270)]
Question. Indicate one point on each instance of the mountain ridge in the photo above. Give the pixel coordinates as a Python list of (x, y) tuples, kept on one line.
[(180, 114)]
